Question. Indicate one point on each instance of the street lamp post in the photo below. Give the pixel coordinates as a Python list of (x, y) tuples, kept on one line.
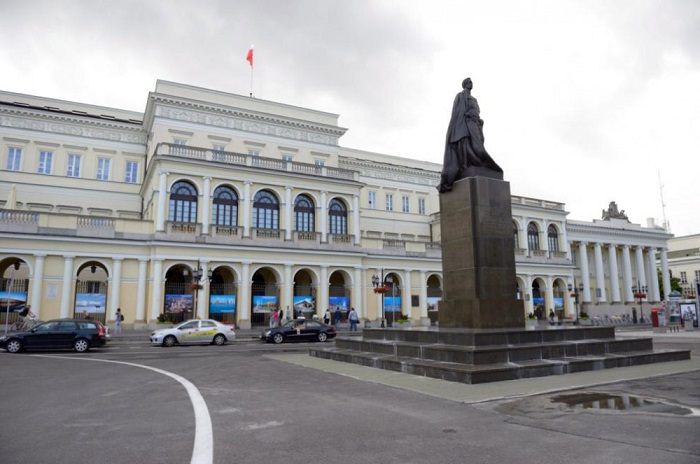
[(197, 275), (640, 292), (576, 291), (378, 283)]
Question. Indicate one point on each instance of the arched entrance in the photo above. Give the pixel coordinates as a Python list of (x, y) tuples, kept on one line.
[(264, 296), (538, 299), (304, 303), (339, 294), (180, 293), (434, 295), (223, 292), (14, 288), (560, 294), (91, 291)]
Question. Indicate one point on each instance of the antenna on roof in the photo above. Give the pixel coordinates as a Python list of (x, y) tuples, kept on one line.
[(666, 225)]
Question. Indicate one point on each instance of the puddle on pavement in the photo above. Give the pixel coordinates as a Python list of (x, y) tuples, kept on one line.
[(606, 401)]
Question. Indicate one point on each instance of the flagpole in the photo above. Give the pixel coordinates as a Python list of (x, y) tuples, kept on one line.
[(249, 59), (251, 82)]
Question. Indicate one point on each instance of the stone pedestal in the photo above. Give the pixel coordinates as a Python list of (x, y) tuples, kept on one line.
[(478, 256)]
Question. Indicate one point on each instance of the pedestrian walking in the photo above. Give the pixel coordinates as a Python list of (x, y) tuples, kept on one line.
[(327, 316), (280, 316), (352, 317), (118, 318), (338, 316), (551, 316)]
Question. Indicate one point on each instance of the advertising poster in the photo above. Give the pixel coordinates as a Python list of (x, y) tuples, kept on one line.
[(339, 302), (264, 304), (304, 304), (219, 304), (177, 304), (90, 302), (433, 303), (392, 304), (538, 301), (15, 301), (558, 303)]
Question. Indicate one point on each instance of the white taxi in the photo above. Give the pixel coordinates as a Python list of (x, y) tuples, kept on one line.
[(195, 331)]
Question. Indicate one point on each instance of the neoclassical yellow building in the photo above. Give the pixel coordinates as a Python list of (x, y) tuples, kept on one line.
[(211, 204)]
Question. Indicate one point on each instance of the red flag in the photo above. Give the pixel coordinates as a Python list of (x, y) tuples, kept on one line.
[(249, 57)]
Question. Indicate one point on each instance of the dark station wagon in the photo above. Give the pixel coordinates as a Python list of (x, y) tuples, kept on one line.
[(58, 334)]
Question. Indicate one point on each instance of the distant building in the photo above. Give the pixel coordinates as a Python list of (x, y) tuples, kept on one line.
[(217, 204), (684, 262)]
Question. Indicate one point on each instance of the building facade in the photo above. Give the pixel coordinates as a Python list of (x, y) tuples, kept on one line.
[(210, 204)]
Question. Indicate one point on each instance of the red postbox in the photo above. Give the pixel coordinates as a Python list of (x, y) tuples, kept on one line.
[(654, 317)]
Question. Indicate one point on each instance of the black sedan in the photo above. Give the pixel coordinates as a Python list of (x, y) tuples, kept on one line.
[(299, 330), (58, 334)]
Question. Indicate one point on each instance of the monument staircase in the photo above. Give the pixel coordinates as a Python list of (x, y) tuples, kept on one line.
[(482, 355)]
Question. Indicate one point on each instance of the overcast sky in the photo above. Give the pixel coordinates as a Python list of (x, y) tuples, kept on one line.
[(584, 102)]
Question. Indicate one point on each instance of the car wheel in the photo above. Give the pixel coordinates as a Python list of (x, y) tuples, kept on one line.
[(278, 338), (81, 345), (219, 340), (169, 341), (322, 336), (14, 346)]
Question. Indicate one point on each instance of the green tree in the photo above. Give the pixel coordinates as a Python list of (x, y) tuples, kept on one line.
[(675, 283)]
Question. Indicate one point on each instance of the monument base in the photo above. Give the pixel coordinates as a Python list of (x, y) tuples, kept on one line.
[(478, 257)]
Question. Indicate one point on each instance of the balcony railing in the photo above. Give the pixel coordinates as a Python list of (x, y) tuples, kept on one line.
[(340, 238), (306, 236), (241, 159), (275, 234)]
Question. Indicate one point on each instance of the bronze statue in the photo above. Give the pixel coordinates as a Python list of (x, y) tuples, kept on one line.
[(464, 146)]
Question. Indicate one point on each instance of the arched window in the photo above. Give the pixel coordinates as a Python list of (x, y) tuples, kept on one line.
[(266, 211), (552, 238), (337, 217), (183, 203), (304, 214), (225, 206), (515, 235), (533, 237)]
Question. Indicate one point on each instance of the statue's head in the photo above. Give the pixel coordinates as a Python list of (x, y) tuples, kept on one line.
[(467, 83)]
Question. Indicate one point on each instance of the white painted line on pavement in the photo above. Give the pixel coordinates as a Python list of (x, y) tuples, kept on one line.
[(203, 450)]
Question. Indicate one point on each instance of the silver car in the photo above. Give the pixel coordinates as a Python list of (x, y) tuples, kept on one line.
[(195, 331)]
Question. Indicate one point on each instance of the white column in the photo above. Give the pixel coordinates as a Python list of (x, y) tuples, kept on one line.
[(162, 195), (549, 295), (246, 209), (599, 272), (115, 290), (157, 289), (288, 290), (544, 241), (614, 274), (627, 271), (37, 284), (406, 293), (356, 218), (585, 274), (565, 240), (653, 276), (641, 276), (202, 294), (358, 302), (423, 296), (244, 304), (323, 289), (141, 292), (666, 278), (324, 218), (64, 310), (528, 291), (206, 205), (288, 214)]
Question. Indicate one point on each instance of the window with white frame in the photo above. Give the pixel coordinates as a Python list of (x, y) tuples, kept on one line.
[(390, 202), (218, 152), (684, 277), (45, 162), (73, 168), (697, 276), (103, 168), (256, 157), (421, 206), (179, 146), (372, 198), (405, 204), (132, 172), (287, 158), (14, 159)]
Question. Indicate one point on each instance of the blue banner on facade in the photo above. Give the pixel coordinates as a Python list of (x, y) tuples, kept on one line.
[(339, 302), (264, 304), (219, 304), (392, 304), (15, 301), (90, 302)]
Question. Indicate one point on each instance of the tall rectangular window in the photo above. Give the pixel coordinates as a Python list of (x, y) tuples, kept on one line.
[(103, 168), (73, 169), (684, 277), (45, 162), (389, 202), (421, 206), (132, 172), (287, 158), (256, 157), (405, 204), (372, 198), (697, 276), (14, 159)]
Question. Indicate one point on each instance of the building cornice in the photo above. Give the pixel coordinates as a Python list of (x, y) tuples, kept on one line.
[(203, 113), (385, 171)]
